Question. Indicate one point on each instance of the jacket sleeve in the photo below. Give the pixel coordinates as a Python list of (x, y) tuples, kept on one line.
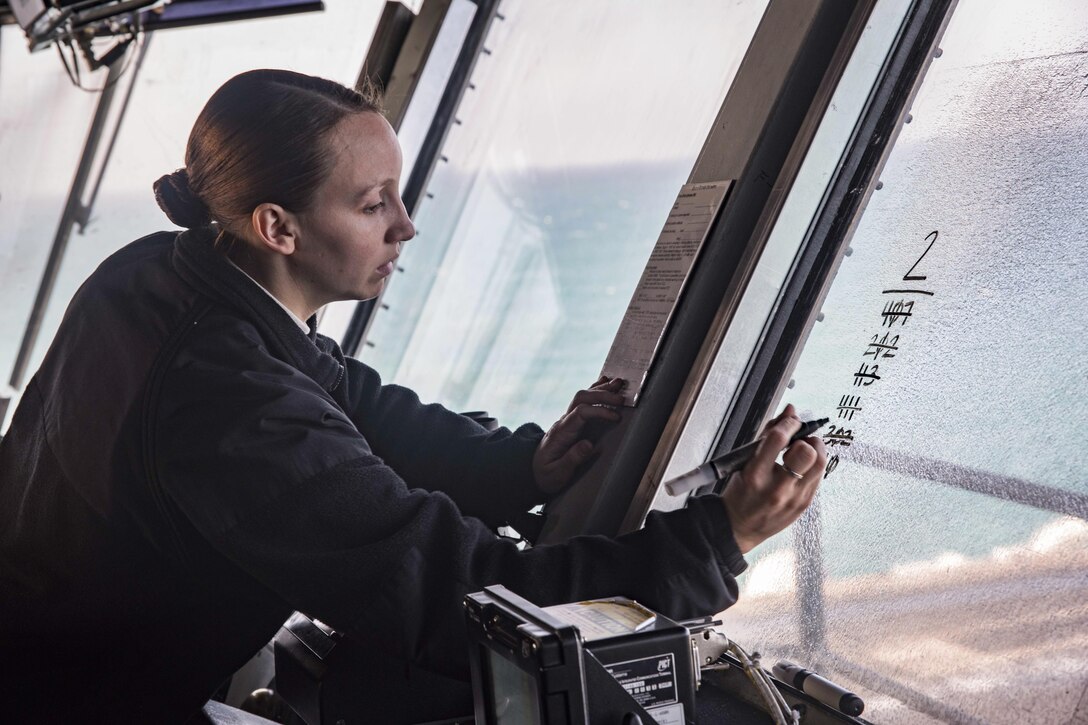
[(488, 474), (271, 472)]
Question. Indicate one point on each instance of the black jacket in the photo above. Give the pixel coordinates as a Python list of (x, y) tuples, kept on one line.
[(187, 467)]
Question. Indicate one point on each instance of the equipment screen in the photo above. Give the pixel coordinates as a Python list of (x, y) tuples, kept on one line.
[(514, 698)]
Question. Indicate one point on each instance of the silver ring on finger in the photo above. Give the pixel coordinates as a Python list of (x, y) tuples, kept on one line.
[(790, 471)]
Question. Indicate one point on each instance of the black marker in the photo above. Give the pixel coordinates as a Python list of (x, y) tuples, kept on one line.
[(719, 468), (820, 688)]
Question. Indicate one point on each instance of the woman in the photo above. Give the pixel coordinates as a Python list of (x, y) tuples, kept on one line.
[(193, 462)]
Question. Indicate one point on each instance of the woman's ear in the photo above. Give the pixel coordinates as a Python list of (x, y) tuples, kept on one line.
[(275, 228)]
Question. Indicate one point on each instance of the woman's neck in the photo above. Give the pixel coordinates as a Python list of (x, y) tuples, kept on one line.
[(272, 272)]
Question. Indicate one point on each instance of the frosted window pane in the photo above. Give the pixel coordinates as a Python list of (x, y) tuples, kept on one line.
[(583, 122), (961, 596)]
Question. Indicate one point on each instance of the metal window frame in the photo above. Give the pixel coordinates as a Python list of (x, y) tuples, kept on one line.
[(759, 139), (487, 11), (390, 52)]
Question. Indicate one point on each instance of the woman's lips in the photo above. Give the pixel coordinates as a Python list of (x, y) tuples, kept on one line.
[(386, 269)]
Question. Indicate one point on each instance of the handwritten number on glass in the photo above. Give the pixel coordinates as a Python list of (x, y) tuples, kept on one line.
[(881, 347), (908, 277)]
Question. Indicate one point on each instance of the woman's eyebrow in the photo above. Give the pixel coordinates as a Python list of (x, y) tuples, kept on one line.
[(371, 187)]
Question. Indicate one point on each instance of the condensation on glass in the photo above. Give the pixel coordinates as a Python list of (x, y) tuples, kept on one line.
[(944, 572), (45, 122), (582, 122)]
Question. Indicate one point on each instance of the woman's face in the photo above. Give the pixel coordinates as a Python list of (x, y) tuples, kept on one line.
[(350, 237)]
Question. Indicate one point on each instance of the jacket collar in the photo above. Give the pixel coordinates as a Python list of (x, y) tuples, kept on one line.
[(197, 261)]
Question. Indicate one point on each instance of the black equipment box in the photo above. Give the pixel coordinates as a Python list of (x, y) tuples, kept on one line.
[(533, 665)]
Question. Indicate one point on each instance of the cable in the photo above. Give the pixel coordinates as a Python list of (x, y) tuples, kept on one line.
[(67, 68), (777, 707), (135, 41), (130, 43)]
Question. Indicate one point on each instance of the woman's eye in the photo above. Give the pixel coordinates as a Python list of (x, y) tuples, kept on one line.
[(375, 208)]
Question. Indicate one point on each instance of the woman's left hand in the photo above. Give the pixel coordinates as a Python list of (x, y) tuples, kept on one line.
[(566, 446)]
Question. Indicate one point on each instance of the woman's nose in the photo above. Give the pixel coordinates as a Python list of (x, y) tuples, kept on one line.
[(404, 230), (400, 232)]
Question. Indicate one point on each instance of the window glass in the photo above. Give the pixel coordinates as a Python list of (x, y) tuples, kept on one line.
[(582, 122), (45, 122), (943, 573)]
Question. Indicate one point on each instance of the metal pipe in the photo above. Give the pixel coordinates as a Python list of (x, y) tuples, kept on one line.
[(809, 576), (909, 696), (1017, 490)]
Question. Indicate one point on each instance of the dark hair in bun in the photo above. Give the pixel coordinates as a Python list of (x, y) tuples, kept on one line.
[(181, 205), (259, 139)]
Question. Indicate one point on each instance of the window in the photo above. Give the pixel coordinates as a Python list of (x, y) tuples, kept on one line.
[(943, 572), (581, 123)]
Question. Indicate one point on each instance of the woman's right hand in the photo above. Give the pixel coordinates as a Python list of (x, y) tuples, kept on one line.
[(764, 497)]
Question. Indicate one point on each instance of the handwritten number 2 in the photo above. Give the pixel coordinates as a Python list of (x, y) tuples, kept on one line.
[(908, 277)]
